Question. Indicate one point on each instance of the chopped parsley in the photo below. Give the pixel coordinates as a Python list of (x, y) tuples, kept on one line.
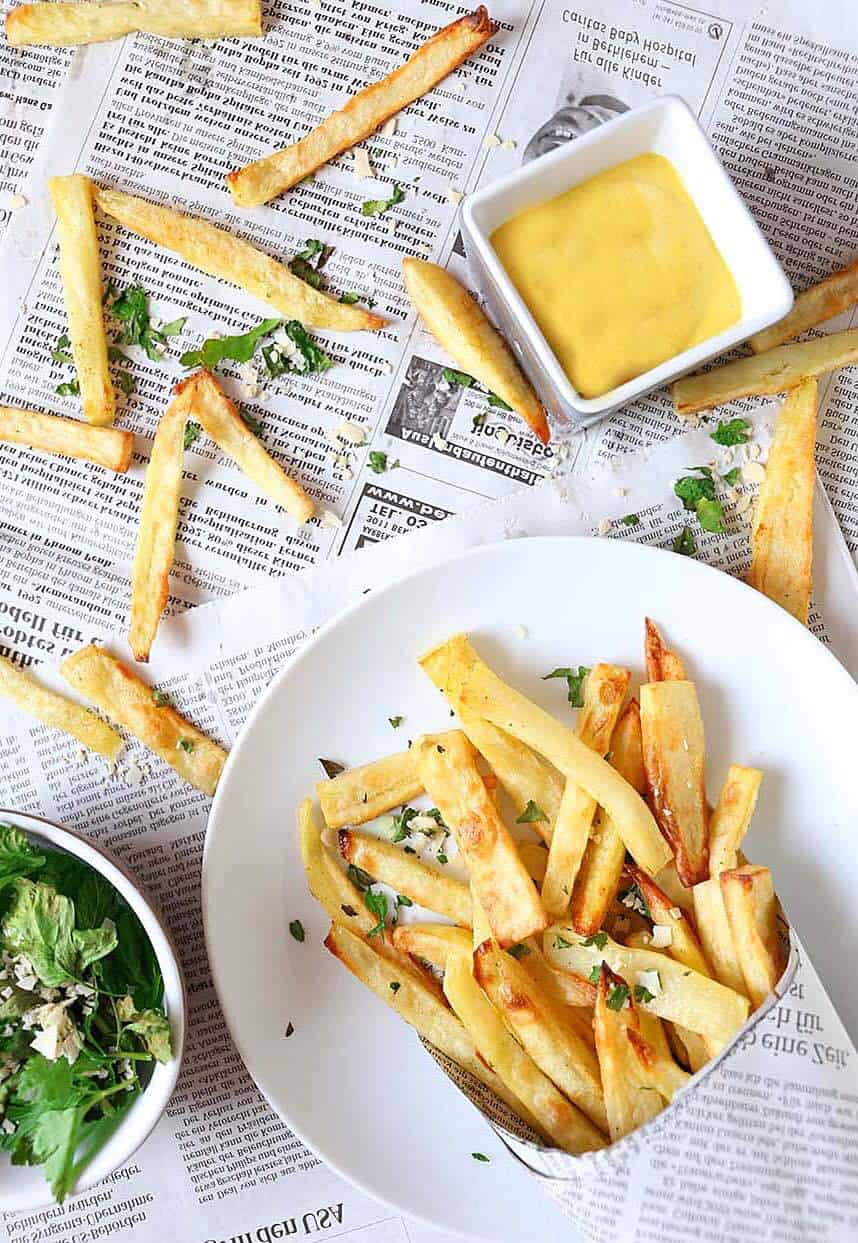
[(595, 974), (560, 943), (377, 207), (350, 297), (278, 362), (60, 352), (250, 422), (442, 857), (518, 951), (498, 402), (378, 461), (296, 928), (574, 682), (239, 349), (633, 900), (480, 1156), (599, 939), (457, 377), (401, 822), (376, 904), (193, 431), (186, 744), (332, 768), (131, 309), (160, 699), (732, 476), (396, 721), (642, 994), (684, 543), (302, 267), (697, 493), (394, 986), (631, 520), (532, 814), (617, 997), (478, 421), (732, 432), (126, 382), (359, 878), (69, 389)]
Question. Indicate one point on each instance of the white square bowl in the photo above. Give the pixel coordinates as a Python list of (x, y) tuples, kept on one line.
[(668, 127)]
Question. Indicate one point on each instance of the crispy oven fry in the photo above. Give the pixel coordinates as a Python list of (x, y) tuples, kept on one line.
[(713, 927), (506, 892), (426, 886), (262, 180), (460, 326), (22, 689), (752, 910), (662, 665), (731, 817), (696, 1050), (782, 531), (830, 297), (535, 858), (220, 254), (64, 25), (80, 268), (434, 943), (556, 1116), (156, 531), (128, 701), (52, 433), (360, 794), (220, 419), (630, 1100), (763, 375), (668, 881), (604, 690), (673, 749), (684, 945)]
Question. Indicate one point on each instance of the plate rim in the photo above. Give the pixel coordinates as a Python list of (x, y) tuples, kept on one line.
[(304, 651)]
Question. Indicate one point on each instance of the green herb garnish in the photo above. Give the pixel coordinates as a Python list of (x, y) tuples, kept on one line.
[(396, 721), (532, 814), (631, 520), (498, 402), (642, 994), (617, 997), (60, 352), (574, 683), (457, 377), (349, 298), (193, 431), (131, 308), (480, 1156), (732, 476), (599, 939), (238, 349), (359, 878), (518, 951), (378, 461), (595, 973), (732, 432), (560, 943), (401, 822), (684, 543), (160, 699), (296, 928), (69, 389), (376, 207), (394, 986), (376, 904), (313, 357), (187, 745), (697, 493)]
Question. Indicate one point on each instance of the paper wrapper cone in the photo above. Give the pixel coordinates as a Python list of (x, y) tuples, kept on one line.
[(761, 1145)]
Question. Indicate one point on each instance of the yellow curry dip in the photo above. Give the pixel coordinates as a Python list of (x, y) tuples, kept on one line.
[(620, 273)]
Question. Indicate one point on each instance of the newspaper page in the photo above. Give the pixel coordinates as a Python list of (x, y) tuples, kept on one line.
[(221, 1166)]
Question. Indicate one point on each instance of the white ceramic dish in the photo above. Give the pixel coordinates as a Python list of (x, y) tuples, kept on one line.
[(353, 1080), (666, 126), (24, 1187)]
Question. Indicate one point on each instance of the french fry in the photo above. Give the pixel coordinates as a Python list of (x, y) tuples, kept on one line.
[(830, 297), (219, 417), (434, 943), (156, 530), (262, 180), (630, 1102), (731, 817), (713, 928), (424, 885), (687, 997), (684, 945), (668, 881), (564, 988), (696, 1050), (482, 929), (22, 689), (414, 1002), (604, 691), (51, 433), (667, 1077), (507, 894), (484, 694), (752, 910), (662, 665), (66, 25), (782, 530), (763, 375), (128, 701), (220, 254), (80, 269), (556, 1116), (524, 775), (360, 794), (535, 859), (673, 749), (599, 874), (459, 325), (541, 1028)]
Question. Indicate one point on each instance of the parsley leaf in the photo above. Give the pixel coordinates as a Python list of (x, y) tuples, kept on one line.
[(574, 682), (498, 402), (478, 421), (595, 974), (193, 431), (296, 929), (396, 721), (732, 476), (278, 362), (306, 272), (401, 823), (376, 904), (518, 951), (480, 1156), (642, 994), (617, 997), (532, 814), (186, 745), (70, 389), (17, 856), (239, 349), (710, 515), (350, 297), (631, 520), (684, 543), (560, 943), (359, 878), (732, 432), (131, 308), (377, 461), (313, 247), (160, 699), (376, 207), (457, 377), (40, 924), (599, 939), (697, 493), (60, 352)]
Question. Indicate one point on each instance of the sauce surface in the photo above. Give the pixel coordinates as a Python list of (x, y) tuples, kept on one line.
[(620, 273)]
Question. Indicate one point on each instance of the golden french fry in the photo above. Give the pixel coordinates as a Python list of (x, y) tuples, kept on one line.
[(220, 254), (65, 25), (541, 1028), (658, 1070), (414, 1002), (673, 749), (484, 694), (262, 180), (731, 817), (752, 910), (535, 858), (80, 269), (219, 417), (684, 945), (763, 375), (668, 881), (830, 297), (156, 530), (424, 885), (482, 929), (604, 691), (447, 765), (360, 794), (782, 531), (434, 943), (52, 433), (696, 1050), (713, 928), (686, 997), (599, 874), (662, 665), (128, 701), (564, 988), (459, 325), (556, 1116), (630, 1101), (667, 1077), (22, 689)]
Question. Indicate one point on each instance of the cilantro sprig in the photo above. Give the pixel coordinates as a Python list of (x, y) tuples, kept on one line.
[(575, 679)]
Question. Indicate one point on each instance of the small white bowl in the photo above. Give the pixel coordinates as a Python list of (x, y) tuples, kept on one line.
[(668, 127), (24, 1187)]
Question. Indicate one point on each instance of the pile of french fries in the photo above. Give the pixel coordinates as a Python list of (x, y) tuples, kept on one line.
[(585, 973)]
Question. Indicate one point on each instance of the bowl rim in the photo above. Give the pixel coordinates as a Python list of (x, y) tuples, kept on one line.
[(148, 1110)]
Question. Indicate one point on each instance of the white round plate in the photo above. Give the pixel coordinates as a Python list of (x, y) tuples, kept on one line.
[(352, 1080)]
